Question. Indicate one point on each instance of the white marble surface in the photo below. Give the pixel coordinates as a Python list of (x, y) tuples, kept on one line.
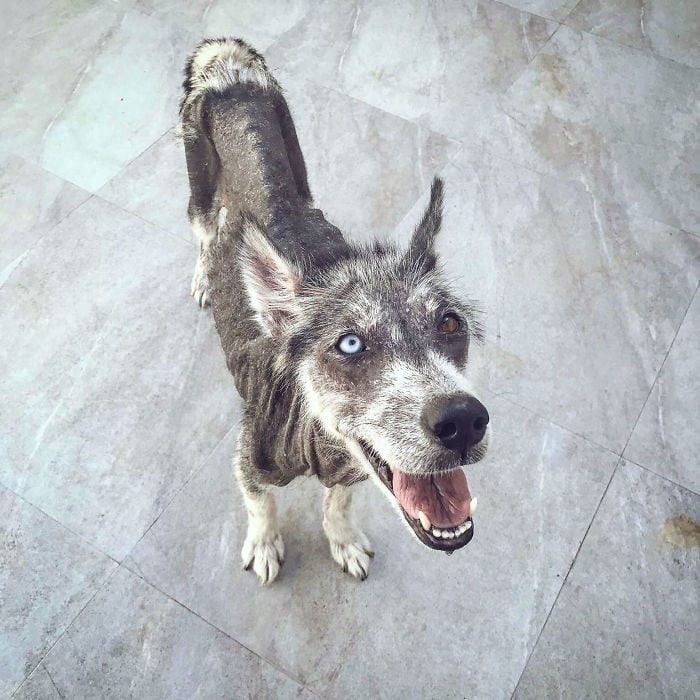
[(154, 648), (621, 121), (260, 22), (440, 64), (569, 137), (554, 9), (88, 93), (117, 379), (668, 28), (582, 302), (625, 624), (47, 575), (32, 202), (666, 439)]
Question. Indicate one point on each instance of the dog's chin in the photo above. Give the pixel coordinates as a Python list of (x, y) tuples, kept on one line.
[(458, 535)]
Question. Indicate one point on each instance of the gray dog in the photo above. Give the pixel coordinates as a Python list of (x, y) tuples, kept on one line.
[(349, 359)]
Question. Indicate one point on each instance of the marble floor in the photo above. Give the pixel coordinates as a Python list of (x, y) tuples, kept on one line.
[(568, 133)]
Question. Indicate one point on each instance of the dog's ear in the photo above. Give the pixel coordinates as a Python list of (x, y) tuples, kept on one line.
[(270, 279), (421, 248)]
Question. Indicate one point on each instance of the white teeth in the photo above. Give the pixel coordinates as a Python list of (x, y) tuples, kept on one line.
[(437, 533), (462, 528), (468, 526), (472, 506), (448, 533), (424, 520)]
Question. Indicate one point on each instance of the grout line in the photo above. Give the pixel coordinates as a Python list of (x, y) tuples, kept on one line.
[(615, 470), (581, 436), (82, 538), (661, 476), (51, 229), (46, 671), (269, 662), (571, 12), (565, 579), (661, 367), (195, 471), (65, 631), (135, 158), (646, 50), (158, 227)]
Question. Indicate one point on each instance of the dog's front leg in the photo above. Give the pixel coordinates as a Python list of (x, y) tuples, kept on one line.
[(263, 548), (349, 545)]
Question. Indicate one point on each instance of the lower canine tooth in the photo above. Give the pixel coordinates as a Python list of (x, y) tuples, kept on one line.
[(472, 506), (424, 520)]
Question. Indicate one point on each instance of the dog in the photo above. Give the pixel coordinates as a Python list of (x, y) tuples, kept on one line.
[(350, 359)]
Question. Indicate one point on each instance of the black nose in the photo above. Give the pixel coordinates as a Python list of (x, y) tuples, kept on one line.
[(458, 421)]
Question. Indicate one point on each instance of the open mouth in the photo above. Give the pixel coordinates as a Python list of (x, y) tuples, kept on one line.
[(438, 507)]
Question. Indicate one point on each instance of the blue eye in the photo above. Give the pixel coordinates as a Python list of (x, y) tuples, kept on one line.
[(350, 344)]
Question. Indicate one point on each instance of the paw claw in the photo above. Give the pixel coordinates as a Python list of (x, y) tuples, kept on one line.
[(353, 558), (200, 285), (265, 553)]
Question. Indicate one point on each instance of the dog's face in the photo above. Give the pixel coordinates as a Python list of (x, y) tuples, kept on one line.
[(379, 346)]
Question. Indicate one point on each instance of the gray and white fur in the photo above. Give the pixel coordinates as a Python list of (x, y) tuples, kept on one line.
[(289, 295)]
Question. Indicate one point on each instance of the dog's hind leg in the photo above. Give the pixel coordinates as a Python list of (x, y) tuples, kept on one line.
[(349, 545), (263, 549), (205, 215), (205, 233)]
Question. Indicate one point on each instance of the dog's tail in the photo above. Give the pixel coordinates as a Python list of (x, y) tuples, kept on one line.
[(218, 64)]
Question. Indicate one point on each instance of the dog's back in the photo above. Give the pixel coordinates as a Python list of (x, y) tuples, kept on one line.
[(243, 154)]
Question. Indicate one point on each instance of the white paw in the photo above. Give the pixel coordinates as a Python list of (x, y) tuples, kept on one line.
[(265, 553), (352, 552), (200, 284)]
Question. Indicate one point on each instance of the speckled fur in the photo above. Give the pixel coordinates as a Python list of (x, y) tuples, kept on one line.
[(284, 285)]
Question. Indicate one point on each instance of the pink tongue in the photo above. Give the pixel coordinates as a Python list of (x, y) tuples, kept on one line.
[(444, 498)]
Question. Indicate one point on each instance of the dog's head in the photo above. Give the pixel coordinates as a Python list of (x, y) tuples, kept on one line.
[(379, 346)]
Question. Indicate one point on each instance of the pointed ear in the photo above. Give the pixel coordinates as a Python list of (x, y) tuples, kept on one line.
[(423, 239), (272, 282)]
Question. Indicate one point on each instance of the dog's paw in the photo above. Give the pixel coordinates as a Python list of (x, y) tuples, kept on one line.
[(200, 285), (352, 553), (265, 553)]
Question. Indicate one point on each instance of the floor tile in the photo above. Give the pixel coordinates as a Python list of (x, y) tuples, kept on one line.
[(116, 388), (441, 65), (32, 201), (625, 625), (481, 608), (48, 575), (666, 438), (109, 88), (38, 686), (155, 187), (259, 22), (554, 9), (669, 29), (366, 167), (155, 648), (582, 299), (576, 112)]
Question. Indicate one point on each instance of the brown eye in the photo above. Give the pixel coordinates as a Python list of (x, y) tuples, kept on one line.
[(449, 323)]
